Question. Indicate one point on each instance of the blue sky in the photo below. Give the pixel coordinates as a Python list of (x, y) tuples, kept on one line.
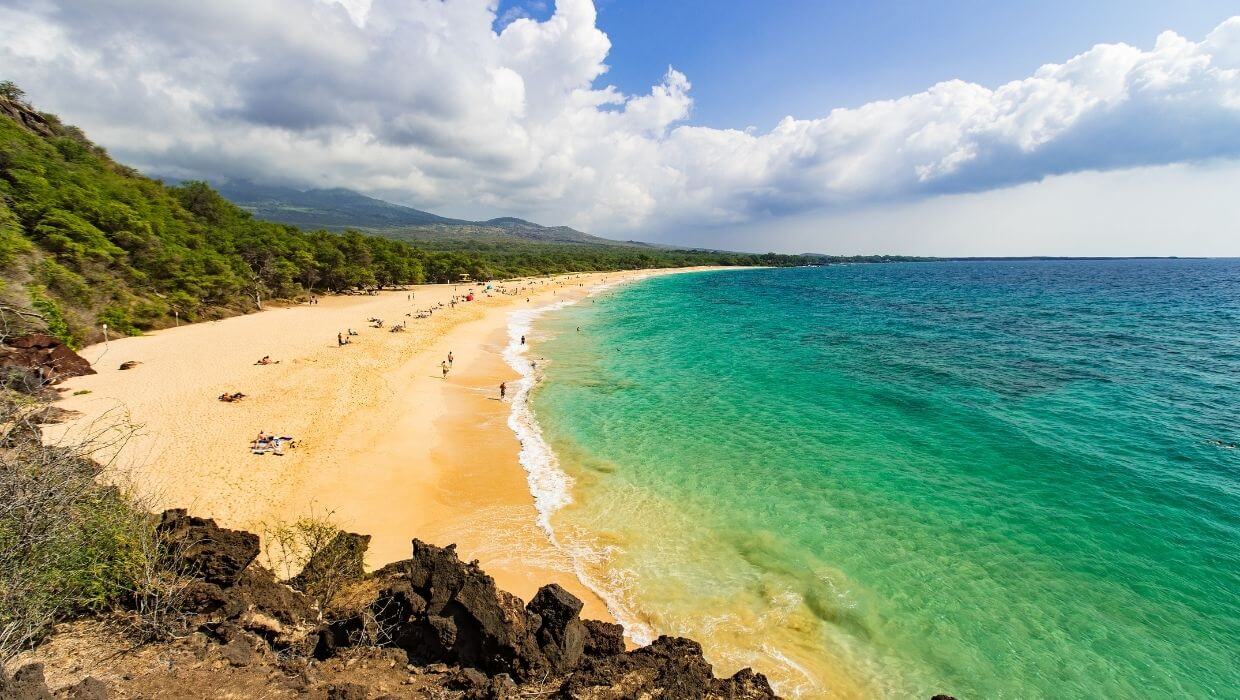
[(752, 63), (936, 128)]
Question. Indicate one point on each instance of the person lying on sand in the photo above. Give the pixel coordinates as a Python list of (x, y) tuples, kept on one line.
[(231, 397), (267, 361), (269, 443), (352, 332)]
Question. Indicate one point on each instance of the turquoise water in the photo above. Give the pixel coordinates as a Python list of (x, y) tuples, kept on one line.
[(994, 479)]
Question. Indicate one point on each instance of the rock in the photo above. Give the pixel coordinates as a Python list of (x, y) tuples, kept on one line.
[(346, 691), (239, 652), (206, 550), (33, 361), (476, 685), (467, 621), (26, 117), (203, 598), (340, 560), (89, 688), (260, 592), (603, 638), (671, 667), (560, 635), (331, 638), (129, 364), (26, 684)]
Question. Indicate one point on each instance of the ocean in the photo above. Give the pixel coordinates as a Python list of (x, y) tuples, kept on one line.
[(990, 479)]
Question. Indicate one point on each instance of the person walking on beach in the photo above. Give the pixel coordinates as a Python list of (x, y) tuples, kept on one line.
[(503, 390), (449, 358), (523, 340), (444, 367)]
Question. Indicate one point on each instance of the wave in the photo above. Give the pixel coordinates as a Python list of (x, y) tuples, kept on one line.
[(549, 484)]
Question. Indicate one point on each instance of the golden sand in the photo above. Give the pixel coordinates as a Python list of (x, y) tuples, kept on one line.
[(385, 443)]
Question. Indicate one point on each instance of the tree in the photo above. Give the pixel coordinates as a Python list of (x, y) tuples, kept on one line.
[(10, 91)]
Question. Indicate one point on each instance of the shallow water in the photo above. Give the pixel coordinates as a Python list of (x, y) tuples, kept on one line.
[(995, 479)]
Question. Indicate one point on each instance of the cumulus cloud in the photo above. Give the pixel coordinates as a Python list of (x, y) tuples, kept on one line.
[(423, 101)]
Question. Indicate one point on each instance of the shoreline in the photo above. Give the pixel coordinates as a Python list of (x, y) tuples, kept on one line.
[(385, 445)]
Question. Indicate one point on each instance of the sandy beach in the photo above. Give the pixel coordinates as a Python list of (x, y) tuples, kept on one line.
[(384, 443)]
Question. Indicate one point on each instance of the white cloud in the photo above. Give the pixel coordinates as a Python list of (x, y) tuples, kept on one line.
[(421, 101)]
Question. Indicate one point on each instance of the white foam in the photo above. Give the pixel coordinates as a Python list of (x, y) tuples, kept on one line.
[(550, 485)]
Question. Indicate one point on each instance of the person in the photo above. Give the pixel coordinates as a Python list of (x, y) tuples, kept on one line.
[(339, 339), (503, 390), (444, 367), (449, 358), (523, 340)]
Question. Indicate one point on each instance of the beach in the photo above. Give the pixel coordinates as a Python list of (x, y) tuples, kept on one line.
[(385, 444)]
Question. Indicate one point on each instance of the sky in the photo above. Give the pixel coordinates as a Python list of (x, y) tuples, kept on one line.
[(930, 128)]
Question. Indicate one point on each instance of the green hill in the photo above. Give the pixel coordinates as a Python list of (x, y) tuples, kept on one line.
[(86, 241)]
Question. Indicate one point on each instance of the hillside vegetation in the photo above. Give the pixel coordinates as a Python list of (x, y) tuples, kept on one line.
[(86, 241)]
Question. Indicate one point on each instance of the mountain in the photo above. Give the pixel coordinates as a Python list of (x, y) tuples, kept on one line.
[(338, 209)]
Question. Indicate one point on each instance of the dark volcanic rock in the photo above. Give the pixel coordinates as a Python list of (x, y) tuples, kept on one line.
[(671, 667), (560, 635), (26, 684), (341, 560), (33, 361), (476, 685), (603, 638), (452, 612), (210, 552)]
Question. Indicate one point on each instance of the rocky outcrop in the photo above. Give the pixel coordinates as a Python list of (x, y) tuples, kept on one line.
[(30, 362), (209, 552), (439, 609), (670, 667), (342, 559), (432, 624), (27, 117)]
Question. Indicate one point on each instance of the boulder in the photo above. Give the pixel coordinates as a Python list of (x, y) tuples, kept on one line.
[(260, 592), (603, 638), (440, 609), (342, 559), (205, 550), (671, 667), (36, 360), (560, 634), (476, 685)]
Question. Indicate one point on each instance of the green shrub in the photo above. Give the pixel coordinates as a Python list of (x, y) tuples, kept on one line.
[(56, 324)]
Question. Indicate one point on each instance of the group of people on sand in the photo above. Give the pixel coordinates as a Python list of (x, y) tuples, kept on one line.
[(230, 398), (274, 444), (446, 365), (266, 360), (342, 339)]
